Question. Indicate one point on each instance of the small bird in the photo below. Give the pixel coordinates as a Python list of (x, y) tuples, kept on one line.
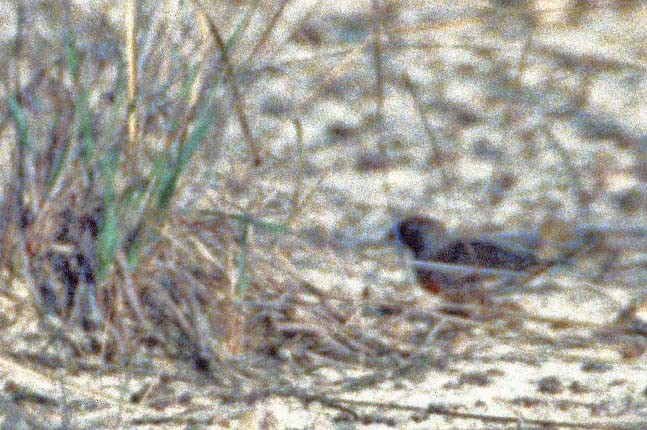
[(445, 262)]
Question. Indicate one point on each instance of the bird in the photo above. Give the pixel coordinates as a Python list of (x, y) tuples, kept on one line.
[(449, 263)]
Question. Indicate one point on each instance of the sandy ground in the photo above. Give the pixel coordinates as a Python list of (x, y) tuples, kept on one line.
[(569, 354)]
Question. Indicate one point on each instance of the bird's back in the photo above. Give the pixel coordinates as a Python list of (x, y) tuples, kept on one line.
[(485, 254)]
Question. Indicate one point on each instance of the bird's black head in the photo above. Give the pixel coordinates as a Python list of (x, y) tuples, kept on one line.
[(421, 235)]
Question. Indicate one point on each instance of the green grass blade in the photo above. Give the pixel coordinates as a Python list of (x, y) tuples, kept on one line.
[(108, 242), (264, 225), (109, 234), (86, 129), (242, 25), (171, 175), (73, 59), (17, 111)]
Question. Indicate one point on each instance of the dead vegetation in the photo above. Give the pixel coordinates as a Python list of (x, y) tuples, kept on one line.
[(193, 201)]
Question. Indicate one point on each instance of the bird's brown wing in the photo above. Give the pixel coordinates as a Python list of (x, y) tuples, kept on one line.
[(476, 253), (485, 254)]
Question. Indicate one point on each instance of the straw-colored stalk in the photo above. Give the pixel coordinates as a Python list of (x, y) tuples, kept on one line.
[(131, 59)]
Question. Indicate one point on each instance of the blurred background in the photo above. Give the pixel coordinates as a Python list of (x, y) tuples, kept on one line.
[(195, 196)]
